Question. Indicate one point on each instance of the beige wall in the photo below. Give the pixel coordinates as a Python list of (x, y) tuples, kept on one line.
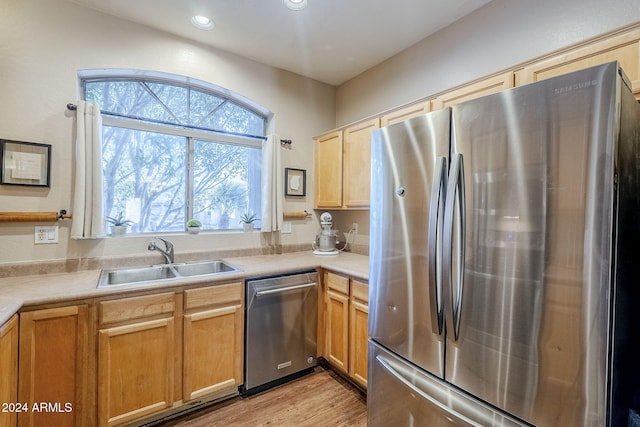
[(43, 44), (500, 35)]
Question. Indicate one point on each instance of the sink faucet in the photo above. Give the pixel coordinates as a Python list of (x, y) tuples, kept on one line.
[(167, 252)]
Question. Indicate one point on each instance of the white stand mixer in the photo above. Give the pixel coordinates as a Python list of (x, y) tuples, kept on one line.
[(325, 243)]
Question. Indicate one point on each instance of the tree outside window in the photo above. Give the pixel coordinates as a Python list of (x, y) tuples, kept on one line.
[(172, 152)]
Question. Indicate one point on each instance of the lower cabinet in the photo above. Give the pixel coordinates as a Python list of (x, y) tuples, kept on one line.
[(136, 343), (116, 361), (358, 331), (9, 372), (337, 321), (53, 373), (152, 347), (213, 344), (346, 325)]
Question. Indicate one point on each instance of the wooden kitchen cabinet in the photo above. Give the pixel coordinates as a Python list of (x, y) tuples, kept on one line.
[(358, 331), (136, 343), (474, 90), (343, 167), (213, 341), (337, 321), (53, 367), (9, 371), (405, 113), (328, 170), (346, 325), (624, 48), (357, 164)]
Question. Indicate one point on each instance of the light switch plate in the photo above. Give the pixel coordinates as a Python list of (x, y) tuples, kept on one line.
[(46, 234), (286, 227)]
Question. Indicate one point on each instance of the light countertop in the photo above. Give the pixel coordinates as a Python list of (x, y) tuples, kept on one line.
[(16, 292)]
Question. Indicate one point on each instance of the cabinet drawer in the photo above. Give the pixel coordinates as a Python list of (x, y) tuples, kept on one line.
[(136, 307), (337, 282), (213, 295), (359, 290)]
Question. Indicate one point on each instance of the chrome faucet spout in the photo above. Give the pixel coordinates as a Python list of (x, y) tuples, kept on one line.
[(167, 252)]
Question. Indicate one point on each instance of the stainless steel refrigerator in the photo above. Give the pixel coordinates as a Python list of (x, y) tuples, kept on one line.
[(504, 272)]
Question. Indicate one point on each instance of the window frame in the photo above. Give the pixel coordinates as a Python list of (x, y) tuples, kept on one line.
[(189, 132)]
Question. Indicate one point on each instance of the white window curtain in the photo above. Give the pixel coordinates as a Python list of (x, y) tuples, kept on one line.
[(88, 217), (272, 185)]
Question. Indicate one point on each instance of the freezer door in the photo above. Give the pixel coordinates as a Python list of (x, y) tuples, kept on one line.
[(400, 394), (538, 183), (409, 163)]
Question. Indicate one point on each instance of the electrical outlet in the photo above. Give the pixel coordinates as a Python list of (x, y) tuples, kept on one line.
[(286, 227), (46, 234), (354, 228)]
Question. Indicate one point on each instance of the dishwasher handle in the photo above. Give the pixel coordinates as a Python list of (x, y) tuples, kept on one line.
[(285, 289)]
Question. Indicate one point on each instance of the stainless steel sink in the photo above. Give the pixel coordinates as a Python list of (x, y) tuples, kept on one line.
[(198, 268), (137, 274), (155, 273)]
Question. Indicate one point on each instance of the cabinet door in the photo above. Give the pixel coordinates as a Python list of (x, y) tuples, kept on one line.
[(405, 113), (358, 332), (328, 170), (135, 370), (337, 330), (624, 48), (357, 164), (212, 351), (52, 366), (474, 90), (9, 370)]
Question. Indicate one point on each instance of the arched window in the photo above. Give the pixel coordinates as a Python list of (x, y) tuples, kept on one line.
[(176, 149)]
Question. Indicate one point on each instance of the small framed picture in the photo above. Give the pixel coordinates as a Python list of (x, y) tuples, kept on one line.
[(295, 182), (25, 163)]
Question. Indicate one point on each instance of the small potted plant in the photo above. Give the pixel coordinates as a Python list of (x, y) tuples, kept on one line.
[(247, 220), (193, 226), (119, 224)]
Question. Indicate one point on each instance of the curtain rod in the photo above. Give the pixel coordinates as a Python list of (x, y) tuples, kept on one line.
[(74, 107)]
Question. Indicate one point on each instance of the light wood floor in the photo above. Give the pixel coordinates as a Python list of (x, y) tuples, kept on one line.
[(320, 399)]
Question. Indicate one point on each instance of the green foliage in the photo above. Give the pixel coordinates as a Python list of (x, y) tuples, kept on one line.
[(194, 223), (118, 220), (248, 218)]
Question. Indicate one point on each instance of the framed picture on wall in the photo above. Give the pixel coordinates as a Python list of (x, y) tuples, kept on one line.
[(295, 182), (25, 163)]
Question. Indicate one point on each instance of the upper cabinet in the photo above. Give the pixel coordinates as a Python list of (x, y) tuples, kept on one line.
[(343, 167), (473, 90), (405, 113), (357, 164), (624, 48), (328, 170)]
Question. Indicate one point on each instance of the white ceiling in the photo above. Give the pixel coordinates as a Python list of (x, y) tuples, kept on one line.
[(331, 40)]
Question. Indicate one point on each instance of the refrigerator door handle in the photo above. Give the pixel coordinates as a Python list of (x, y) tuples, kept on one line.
[(455, 195), (406, 382), (436, 203)]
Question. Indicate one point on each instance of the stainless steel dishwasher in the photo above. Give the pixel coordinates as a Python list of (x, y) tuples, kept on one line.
[(281, 328)]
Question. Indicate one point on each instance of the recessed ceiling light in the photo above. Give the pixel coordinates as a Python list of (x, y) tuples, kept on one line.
[(202, 22), (295, 4)]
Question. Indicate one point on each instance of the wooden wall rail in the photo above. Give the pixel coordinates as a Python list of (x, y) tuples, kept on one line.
[(296, 215), (34, 216)]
